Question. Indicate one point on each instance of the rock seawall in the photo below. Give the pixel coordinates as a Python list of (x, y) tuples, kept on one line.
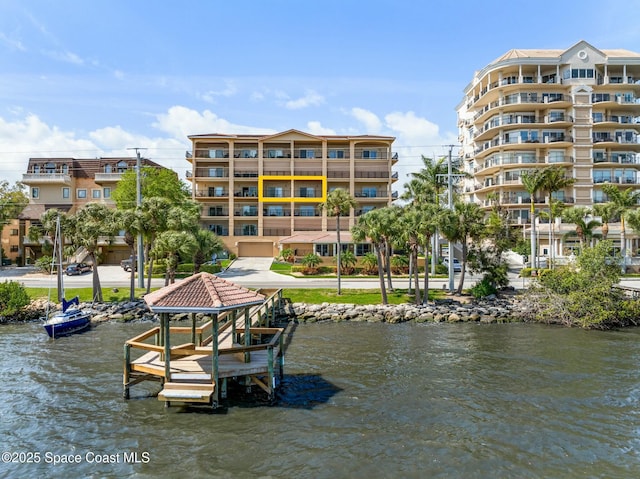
[(492, 310)]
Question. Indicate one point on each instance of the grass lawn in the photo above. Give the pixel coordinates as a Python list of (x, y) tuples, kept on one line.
[(86, 294), (351, 296)]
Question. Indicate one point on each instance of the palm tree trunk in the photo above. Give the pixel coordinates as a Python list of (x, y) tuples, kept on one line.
[(388, 256), (97, 289), (416, 276), (464, 266), (339, 251), (533, 234), (383, 291), (425, 297), (623, 244)]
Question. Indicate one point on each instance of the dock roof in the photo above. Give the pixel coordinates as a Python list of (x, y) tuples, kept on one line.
[(202, 293)]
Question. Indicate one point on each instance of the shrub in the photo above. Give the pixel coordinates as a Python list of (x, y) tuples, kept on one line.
[(44, 264), (311, 263), (13, 298), (525, 272), (483, 289), (211, 268), (399, 264), (232, 256), (288, 255), (369, 263), (185, 268)]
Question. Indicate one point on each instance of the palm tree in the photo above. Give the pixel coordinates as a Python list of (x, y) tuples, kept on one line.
[(460, 225), (153, 220), (92, 224), (172, 245), (584, 227), (607, 212), (129, 220), (411, 220), (533, 182), (555, 179), (339, 202), (369, 263), (206, 244), (625, 200), (370, 226)]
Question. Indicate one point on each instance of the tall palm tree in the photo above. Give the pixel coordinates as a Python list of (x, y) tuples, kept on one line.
[(625, 200), (461, 225), (607, 212), (584, 227), (410, 220), (129, 220), (339, 203), (555, 179), (92, 224), (206, 244), (172, 245), (371, 226), (533, 182), (556, 207)]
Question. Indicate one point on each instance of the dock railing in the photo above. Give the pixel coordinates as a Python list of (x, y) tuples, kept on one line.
[(231, 340)]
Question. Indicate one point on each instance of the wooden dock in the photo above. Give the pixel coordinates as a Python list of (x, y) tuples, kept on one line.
[(230, 346)]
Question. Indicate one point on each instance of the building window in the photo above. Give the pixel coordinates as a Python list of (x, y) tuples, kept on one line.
[(14, 232), (81, 193), (307, 154), (35, 192), (50, 168), (36, 169), (14, 248), (95, 194), (122, 166), (307, 211), (66, 193), (106, 192), (336, 153), (275, 192), (372, 154), (362, 249), (65, 169), (370, 192), (324, 249), (307, 192), (107, 168), (275, 211)]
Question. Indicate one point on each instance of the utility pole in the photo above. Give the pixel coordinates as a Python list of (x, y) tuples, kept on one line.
[(140, 255), (450, 177)]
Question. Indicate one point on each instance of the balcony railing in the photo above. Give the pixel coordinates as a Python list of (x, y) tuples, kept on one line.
[(212, 172), (107, 177), (32, 178), (211, 193), (276, 231)]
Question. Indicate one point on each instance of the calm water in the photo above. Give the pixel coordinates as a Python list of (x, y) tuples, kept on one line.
[(359, 400)]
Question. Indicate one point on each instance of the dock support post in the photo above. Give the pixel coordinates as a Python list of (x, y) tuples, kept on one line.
[(281, 357), (214, 366), (272, 378), (127, 371), (247, 334), (164, 319), (193, 328), (234, 318)]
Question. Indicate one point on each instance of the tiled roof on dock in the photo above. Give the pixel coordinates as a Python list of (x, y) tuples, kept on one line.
[(202, 292)]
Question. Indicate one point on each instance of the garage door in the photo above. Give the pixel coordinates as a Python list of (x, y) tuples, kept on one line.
[(256, 249)]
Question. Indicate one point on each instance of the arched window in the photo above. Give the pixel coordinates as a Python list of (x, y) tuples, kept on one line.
[(107, 168), (65, 169), (50, 168), (36, 169), (122, 166)]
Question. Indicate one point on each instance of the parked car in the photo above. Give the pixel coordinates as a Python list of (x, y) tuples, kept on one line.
[(457, 267), (78, 268), (126, 264)]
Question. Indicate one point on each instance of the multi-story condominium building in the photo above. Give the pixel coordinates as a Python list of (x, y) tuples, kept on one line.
[(262, 193), (578, 109), (68, 184)]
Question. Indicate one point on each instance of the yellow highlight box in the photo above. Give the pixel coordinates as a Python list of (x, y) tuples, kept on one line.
[(295, 199)]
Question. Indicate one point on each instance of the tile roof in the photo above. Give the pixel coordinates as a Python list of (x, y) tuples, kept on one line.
[(202, 292), (318, 237)]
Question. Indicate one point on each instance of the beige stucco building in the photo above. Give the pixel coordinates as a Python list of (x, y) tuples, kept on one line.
[(261, 193), (577, 108), (67, 184)]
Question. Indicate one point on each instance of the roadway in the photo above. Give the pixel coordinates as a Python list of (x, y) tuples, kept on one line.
[(248, 272)]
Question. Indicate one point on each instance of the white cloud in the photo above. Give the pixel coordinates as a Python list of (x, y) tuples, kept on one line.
[(64, 56), (180, 122), (315, 128), (371, 122), (12, 43), (311, 98), (210, 96)]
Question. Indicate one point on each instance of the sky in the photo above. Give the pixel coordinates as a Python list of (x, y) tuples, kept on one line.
[(96, 78)]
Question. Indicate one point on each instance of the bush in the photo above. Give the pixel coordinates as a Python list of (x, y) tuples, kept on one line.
[(44, 264), (185, 268), (288, 255), (13, 298), (211, 268), (483, 289), (232, 256), (525, 272)]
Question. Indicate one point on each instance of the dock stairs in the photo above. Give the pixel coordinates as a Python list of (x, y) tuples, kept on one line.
[(188, 387)]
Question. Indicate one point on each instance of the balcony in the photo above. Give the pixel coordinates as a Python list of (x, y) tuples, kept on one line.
[(221, 172), (276, 232), (246, 211), (101, 178), (213, 153), (212, 193), (46, 179)]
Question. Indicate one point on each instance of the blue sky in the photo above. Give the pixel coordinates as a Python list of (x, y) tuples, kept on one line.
[(93, 78)]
